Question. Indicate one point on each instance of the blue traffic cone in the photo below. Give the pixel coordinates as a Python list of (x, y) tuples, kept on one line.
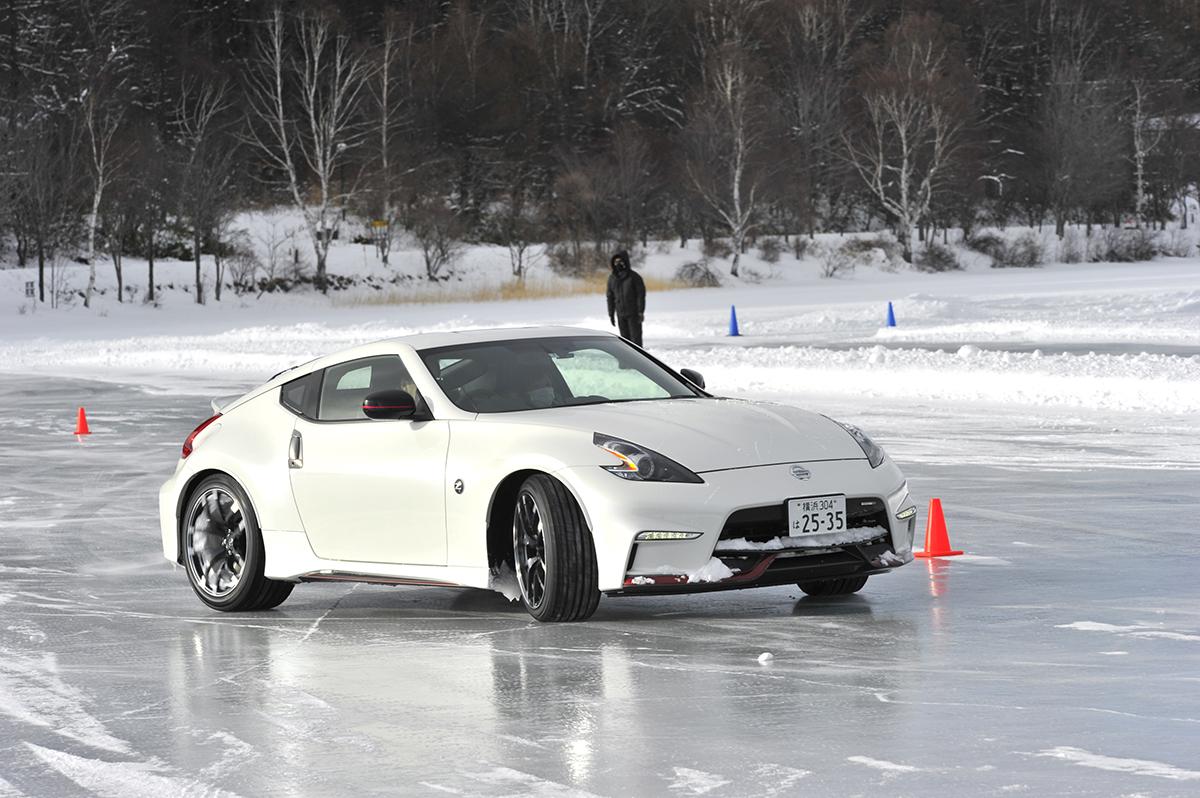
[(891, 316), (733, 328)]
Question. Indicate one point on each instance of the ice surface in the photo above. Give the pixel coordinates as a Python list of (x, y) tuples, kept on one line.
[(123, 779), (112, 666), (1058, 657)]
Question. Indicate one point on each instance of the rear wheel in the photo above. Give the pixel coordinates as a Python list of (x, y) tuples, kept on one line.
[(553, 553), (223, 550), (834, 587)]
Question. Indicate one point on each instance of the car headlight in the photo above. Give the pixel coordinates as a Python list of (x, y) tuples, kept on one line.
[(639, 464), (870, 448)]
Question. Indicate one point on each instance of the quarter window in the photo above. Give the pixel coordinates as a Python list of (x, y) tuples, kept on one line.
[(300, 395)]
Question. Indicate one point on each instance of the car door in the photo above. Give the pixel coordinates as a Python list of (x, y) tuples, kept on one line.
[(369, 491)]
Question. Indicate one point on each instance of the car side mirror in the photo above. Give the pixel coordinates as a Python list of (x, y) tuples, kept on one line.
[(389, 405), (694, 377)]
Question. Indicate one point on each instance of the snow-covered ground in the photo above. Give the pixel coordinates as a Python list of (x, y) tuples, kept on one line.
[(1053, 412)]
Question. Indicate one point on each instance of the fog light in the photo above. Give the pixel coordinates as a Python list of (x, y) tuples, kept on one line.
[(657, 535), (906, 513)]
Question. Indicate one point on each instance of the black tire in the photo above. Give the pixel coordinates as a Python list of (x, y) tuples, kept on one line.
[(569, 575), (834, 587), (218, 507)]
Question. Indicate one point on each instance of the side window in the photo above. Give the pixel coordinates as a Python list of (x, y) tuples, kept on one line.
[(300, 395), (347, 384)]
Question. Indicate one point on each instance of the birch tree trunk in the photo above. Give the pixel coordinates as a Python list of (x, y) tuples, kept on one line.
[(303, 93)]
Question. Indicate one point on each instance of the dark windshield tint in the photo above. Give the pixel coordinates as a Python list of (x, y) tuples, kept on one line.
[(531, 374)]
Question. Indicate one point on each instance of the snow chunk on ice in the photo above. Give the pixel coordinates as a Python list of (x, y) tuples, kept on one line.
[(804, 542), (1140, 767), (1136, 630), (696, 782), (766, 657), (967, 351), (712, 571), (504, 581), (882, 764), (891, 558)]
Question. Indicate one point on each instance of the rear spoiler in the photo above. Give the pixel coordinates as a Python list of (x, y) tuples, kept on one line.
[(221, 402)]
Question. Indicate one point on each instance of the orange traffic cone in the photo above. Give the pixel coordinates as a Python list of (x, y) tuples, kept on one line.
[(937, 540), (81, 425)]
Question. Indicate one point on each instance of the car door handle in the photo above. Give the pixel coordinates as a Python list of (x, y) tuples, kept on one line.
[(296, 450)]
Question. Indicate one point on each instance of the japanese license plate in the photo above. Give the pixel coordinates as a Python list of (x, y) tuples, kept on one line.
[(815, 515)]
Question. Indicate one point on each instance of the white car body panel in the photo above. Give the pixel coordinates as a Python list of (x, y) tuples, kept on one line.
[(375, 500), (371, 491)]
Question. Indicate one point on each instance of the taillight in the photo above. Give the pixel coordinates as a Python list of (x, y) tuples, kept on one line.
[(187, 445)]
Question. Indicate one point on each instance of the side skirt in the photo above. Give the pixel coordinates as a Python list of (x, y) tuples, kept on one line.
[(290, 558)]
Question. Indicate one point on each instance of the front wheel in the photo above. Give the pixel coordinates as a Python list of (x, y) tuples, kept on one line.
[(834, 587), (224, 554), (553, 553)]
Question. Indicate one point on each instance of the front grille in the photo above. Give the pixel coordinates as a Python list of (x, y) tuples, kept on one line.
[(770, 521)]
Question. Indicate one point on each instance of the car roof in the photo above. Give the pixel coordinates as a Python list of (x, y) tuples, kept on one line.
[(434, 340), (419, 342)]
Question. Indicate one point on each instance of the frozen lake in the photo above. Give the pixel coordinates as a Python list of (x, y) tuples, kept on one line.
[(1061, 657)]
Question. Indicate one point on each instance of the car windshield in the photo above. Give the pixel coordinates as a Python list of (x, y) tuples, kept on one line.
[(536, 373)]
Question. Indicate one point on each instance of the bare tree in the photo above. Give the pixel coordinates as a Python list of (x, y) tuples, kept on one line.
[(273, 238), (1148, 132), (1177, 161), (814, 66), (728, 129), (389, 85), (633, 182), (105, 76), (46, 192), (303, 97), (1080, 134), (521, 221), (914, 110), (206, 165), (438, 230), (582, 208)]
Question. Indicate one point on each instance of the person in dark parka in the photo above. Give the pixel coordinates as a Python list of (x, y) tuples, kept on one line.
[(626, 298)]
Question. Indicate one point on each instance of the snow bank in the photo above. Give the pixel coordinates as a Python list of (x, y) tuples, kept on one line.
[(1142, 382)]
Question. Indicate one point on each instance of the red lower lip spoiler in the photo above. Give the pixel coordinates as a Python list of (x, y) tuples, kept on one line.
[(682, 579)]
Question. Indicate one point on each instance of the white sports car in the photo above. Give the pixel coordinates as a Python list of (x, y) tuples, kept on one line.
[(569, 459)]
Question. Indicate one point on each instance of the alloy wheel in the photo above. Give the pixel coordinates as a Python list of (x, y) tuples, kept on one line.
[(216, 542), (529, 550)]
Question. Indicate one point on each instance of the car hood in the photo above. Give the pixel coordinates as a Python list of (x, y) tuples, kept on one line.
[(710, 434)]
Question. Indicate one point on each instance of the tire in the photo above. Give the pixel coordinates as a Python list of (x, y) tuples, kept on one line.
[(223, 549), (834, 587), (548, 529)]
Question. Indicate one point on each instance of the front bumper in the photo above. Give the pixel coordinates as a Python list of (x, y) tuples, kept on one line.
[(618, 510)]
